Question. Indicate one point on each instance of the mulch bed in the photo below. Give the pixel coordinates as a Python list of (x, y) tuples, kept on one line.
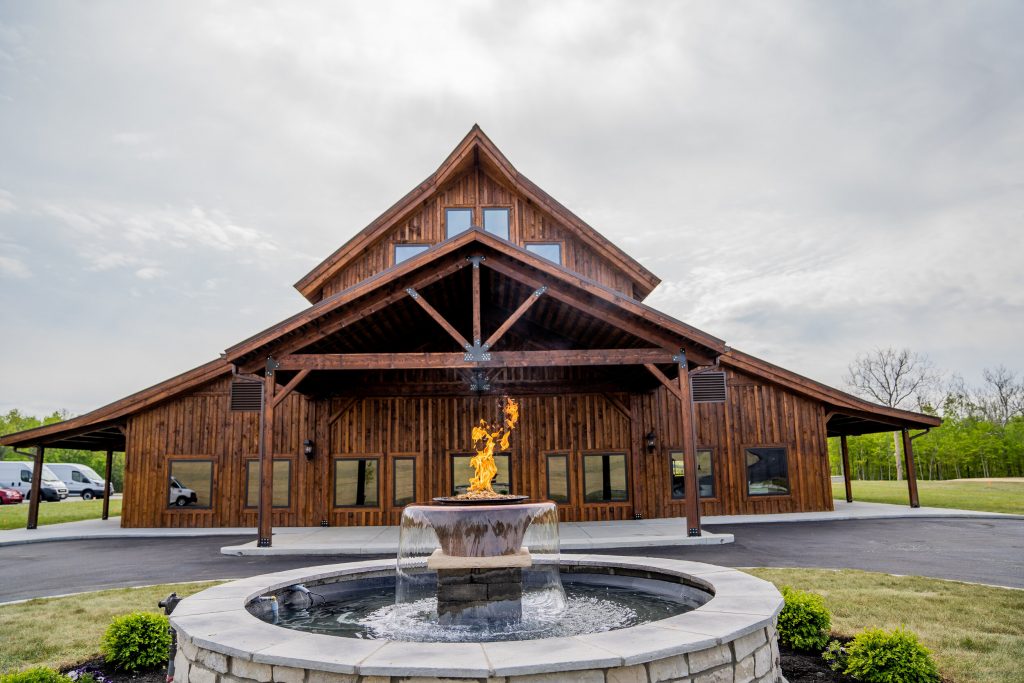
[(799, 666), (99, 668)]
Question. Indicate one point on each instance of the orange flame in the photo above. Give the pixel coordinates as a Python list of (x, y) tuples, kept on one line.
[(490, 437)]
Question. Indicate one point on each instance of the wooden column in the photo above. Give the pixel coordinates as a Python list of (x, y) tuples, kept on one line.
[(908, 461), (265, 525), (692, 490), (106, 494), (846, 467), (36, 492), (477, 334)]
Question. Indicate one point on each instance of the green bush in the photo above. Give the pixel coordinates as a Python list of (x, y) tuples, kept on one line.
[(136, 641), (805, 622), (879, 656), (37, 674)]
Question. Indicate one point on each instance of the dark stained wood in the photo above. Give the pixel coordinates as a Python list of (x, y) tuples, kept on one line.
[(499, 359), (689, 440), (911, 472), (665, 381), (440, 319), (290, 387), (477, 334), (845, 448), (36, 493), (108, 470), (512, 319), (265, 522)]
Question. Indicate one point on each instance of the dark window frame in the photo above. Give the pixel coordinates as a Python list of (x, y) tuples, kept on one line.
[(168, 506), (556, 243), (378, 458), (444, 214), (606, 454), (394, 251), (508, 223), (746, 474), (467, 454), (568, 476), (415, 479), (249, 462), (714, 478)]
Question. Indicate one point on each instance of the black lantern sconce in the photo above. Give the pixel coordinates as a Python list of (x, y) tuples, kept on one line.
[(651, 440), (309, 449)]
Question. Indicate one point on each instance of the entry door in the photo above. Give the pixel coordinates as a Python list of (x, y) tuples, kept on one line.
[(405, 483)]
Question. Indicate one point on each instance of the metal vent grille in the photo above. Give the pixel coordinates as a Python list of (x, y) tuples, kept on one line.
[(708, 387), (246, 396)]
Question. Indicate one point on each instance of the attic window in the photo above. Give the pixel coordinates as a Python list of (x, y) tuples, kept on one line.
[(457, 221), (496, 222), (404, 252), (552, 251)]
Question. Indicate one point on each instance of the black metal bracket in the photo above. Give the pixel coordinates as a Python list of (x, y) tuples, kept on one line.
[(540, 290), (263, 543), (475, 260), (680, 358), (477, 352), (479, 381), (693, 532), (412, 292), (272, 365)]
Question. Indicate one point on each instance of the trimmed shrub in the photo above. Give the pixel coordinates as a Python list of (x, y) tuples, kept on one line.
[(136, 641), (37, 674), (805, 622), (879, 656)]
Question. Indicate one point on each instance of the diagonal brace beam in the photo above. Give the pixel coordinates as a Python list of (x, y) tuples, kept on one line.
[(289, 388), (516, 315), (432, 312)]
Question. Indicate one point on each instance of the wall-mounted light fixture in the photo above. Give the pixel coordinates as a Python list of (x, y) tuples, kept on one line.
[(652, 441), (309, 449)]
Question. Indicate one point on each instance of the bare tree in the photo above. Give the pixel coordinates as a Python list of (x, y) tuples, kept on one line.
[(894, 378), (1002, 397)]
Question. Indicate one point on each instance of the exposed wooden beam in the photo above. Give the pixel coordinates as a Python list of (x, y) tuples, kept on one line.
[(477, 334), (438, 318), (691, 505), (845, 448), (661, 377), (264, 521), (290, 387), (516, 315), (911, 472), (517, 359), (36, 491), (106, 493)]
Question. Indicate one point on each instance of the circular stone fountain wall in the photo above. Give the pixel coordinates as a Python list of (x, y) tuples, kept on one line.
[(730, 638)]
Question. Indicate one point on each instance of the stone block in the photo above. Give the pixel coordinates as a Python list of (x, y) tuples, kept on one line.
[(584, 676), (461, 592), (200, 674), (425, 679), (668, 669), (721, 675), (214, 661), (288, 674), (375, 679), (627, 674), (228, 678), (188, 649), (744, 645), (504, 591), (762, 660), (711, 657), (744, 671), (330, 677), (503, 575), (181, 665), (254, 671)]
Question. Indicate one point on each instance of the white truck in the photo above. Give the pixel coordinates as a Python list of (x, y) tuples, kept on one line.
[(18, 475), (81, 480), (181, 495)]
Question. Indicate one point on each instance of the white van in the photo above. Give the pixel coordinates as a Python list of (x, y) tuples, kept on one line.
[(181, 495), (18, 475), (81, 480)]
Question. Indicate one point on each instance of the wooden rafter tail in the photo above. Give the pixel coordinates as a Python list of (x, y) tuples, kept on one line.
[(516, 315), (438, 318)]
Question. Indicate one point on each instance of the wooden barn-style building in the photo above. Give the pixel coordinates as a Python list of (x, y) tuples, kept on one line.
[(475, 285)]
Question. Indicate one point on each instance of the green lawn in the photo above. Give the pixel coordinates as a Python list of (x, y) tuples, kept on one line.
[(976, 633), (988, 496), (16, 516)]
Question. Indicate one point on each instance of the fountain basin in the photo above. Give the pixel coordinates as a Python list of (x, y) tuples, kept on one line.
[(731, 635)]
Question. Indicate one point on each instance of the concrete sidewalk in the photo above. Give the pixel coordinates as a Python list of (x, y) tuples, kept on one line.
[(575, 536)]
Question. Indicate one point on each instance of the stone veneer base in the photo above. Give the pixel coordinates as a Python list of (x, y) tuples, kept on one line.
[(729, 639)]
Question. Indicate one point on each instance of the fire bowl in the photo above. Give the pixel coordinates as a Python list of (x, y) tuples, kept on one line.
[(478, 530), (502, 500)]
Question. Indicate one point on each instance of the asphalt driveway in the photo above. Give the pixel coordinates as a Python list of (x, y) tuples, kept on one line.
[(979, 550)]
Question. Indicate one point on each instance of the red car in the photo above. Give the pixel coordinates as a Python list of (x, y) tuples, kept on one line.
[(8, 496)]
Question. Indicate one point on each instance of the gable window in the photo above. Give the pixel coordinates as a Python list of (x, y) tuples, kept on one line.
[(604, 478), (705, 474), (282, 483), (356, 482), (457, 221), (552, 251), (404, 252), (462, 471), (496, 222), (767, 471)]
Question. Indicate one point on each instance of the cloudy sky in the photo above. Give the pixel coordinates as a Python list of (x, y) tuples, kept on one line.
[(810, 180)]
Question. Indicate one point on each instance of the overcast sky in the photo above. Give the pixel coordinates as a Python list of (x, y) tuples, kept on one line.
[(809, 180)]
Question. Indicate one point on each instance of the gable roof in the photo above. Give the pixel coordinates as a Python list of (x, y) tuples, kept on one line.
[(475, 147)]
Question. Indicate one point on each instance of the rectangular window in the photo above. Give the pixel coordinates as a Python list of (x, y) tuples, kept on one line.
[(552, 251), (403, 481), (356, 482), (282, 476), (190, 483), (558, 477), (705, 474), (604, 478), (496, 222), (462, 471), (767, 471), (404, 252), (457, 221)]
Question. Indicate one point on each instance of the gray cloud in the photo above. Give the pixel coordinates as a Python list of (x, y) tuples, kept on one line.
[(810, 179)]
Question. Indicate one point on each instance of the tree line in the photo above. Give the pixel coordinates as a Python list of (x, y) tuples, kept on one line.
[(16, 421), (982, 434)]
